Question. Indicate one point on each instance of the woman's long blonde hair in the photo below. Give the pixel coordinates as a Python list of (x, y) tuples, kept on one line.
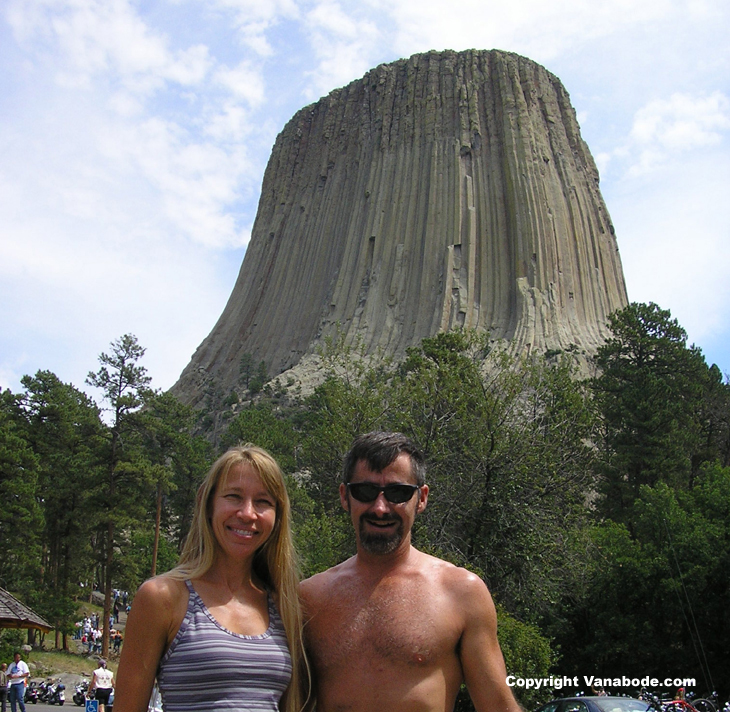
[(274, 563)]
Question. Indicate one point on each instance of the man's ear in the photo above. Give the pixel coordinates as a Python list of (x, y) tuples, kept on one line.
[(422, 499), (344, 499)]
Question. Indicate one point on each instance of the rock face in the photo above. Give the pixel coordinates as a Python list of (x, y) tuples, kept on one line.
[(445, 190)]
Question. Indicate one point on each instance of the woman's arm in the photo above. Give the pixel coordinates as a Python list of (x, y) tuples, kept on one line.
[(157, 612)]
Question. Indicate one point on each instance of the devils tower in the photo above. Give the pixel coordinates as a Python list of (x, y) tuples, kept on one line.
[(444, 190)]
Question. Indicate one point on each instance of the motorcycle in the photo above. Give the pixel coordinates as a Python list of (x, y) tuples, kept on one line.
[(43, 691), (31, 693), (79, 696), (55, 693)]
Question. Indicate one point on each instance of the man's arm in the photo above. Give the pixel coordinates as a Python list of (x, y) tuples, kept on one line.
[(481, 657)]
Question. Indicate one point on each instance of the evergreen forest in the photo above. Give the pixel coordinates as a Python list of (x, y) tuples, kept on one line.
[(596, 506)]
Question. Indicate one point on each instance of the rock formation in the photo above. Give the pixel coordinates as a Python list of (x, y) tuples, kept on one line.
[(445, 190)]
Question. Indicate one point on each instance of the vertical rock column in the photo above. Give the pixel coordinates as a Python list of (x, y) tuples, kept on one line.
[(445, 190)]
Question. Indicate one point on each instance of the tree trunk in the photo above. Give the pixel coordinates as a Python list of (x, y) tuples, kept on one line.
[(107, 590), (158, 516)]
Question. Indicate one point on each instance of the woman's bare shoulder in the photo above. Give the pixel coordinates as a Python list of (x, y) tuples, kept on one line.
[(162, 592)]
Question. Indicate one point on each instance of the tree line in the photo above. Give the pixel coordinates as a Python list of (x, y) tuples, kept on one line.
[(595, 506), (83, 485)]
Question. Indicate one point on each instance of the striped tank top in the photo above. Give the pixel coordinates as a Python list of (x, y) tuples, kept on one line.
[(208, 667)]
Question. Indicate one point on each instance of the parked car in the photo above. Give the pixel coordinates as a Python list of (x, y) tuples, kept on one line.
[(595, 704)]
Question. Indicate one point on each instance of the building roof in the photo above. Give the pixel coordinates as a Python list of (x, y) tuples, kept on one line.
[(14, 614)]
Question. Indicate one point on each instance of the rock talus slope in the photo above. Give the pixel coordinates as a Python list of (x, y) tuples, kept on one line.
[(444, 190)]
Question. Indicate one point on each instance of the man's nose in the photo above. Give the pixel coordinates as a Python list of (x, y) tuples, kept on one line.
[(380, 504)]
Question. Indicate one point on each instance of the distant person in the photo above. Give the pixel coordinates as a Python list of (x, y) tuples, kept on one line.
[(18, 674), (392, 628), (3, 686), (223, 629), (102, 684)]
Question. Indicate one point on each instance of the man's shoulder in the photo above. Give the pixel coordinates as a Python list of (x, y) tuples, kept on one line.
[(448, 572), (323, 581), (455, 580)]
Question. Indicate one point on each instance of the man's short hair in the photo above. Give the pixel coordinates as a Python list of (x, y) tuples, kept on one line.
[(379, 449)]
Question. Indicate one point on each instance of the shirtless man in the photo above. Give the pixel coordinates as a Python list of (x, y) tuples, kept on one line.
[(393, 629)]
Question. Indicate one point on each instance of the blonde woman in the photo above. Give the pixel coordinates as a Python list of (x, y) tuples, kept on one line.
[(223, 629)]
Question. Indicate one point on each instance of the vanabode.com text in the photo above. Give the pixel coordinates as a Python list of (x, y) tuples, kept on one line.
[(558, 683)]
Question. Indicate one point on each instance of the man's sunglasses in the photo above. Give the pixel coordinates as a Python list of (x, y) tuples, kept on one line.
[(368, 492)]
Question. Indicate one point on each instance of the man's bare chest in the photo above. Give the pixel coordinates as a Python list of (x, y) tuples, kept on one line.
[(388, 625)]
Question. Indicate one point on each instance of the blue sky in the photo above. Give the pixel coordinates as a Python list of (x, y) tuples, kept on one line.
[(134, 136)]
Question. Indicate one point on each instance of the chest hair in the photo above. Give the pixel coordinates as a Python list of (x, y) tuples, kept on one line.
[(390, 623)]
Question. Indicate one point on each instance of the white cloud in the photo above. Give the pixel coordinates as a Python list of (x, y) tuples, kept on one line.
[(677, 125), (230, 123), (328, 17), (244, 82), (343, 43), (98, 37), (254, 19), (665, 131), (196, 182), (674, 239), (538, 29)]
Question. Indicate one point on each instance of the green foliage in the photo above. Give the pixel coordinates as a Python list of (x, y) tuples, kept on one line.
[(135, 560), (266, 427), (120, 499), (189, 472), (658, 424), (353, 399), (10, 641), (82, 498), (246, 369), (599, 511), (257, 380), (319, 537), (527, 653), (665, 587), (123, 382), (176, 463), (506, 442), (20, 516), (66, 433)]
